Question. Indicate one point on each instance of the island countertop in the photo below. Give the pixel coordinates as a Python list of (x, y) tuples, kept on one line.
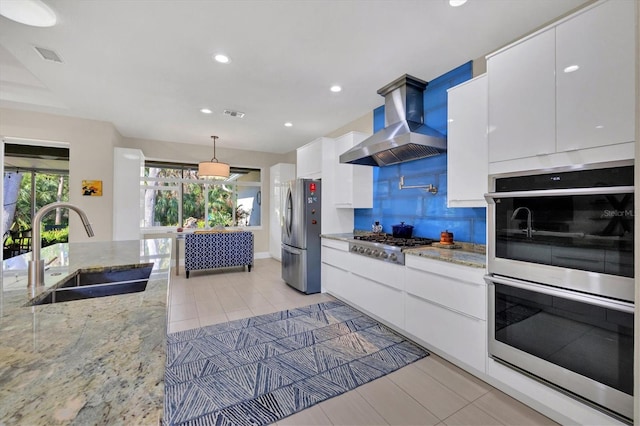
[(91, 361)]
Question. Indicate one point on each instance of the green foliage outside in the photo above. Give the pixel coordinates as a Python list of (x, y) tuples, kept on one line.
[(56, 236), (221, 200), (49, 188)]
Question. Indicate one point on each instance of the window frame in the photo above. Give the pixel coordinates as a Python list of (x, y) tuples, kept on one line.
[(177, 185)]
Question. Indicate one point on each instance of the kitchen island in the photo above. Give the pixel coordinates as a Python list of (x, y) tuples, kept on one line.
[(90, 361)]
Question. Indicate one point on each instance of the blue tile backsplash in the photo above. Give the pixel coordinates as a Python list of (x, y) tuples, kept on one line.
[(427, 213)]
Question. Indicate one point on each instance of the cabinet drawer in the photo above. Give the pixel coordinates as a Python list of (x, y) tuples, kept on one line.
[(461, 296), (335, 257), (338, 245), (334, 280), (382, 272), (461, 288), (459, 336), (380, 300)]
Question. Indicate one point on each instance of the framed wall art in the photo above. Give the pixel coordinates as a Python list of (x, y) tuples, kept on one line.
[(92, 188)]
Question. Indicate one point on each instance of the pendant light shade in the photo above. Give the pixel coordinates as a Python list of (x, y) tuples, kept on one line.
[(213, 169)]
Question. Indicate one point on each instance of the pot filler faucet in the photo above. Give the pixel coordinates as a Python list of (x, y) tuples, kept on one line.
[(529, 231), (36, 265)]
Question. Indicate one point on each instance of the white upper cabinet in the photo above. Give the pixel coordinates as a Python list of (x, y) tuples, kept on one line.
[(522, 99), (353, 184), (309, 159), (566, 95), (467, 162), (595, 77)]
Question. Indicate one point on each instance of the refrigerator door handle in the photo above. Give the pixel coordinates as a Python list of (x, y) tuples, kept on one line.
[(291, 249), (288, 214)]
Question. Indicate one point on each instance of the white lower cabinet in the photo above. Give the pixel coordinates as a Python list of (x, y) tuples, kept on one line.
[(382, 300), (441, 305), (446, 308), (448, 332)]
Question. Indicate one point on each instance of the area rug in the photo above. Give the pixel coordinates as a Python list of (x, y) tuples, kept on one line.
[(255, 371)]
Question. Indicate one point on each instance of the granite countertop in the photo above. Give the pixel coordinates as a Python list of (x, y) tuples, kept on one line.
[(467, 254), (463, 256), (91, 361), (339, 237)]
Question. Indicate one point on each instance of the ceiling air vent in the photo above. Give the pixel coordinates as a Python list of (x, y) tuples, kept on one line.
[(230, 113), (48, 54)]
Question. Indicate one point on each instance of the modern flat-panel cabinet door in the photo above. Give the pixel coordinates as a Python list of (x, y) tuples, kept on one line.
[(595, 77), (522, 113), (467, 162)]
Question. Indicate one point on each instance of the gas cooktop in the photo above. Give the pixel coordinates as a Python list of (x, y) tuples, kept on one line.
[(390, 240), (385, 247)]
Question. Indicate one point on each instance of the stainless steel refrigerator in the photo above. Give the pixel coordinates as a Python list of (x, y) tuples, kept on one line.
[(301, 236)]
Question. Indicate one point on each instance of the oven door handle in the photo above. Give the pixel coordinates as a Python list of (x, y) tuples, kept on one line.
[(616, 305), (490, 197)]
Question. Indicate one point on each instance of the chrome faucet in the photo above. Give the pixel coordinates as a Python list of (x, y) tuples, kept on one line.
[(36, 265), (529, 230)]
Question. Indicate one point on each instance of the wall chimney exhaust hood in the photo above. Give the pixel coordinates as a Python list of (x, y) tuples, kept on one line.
[(405, 137)]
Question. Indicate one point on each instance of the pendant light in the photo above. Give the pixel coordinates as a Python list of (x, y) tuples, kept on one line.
[(213, 169)]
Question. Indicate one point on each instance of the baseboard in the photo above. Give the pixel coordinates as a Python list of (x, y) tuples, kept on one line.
[(262, 255)]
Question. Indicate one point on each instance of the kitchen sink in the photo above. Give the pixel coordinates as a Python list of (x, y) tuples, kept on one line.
[(97, 282)]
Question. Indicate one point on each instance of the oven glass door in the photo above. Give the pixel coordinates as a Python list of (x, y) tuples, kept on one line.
[(588, 232), (560, 331)]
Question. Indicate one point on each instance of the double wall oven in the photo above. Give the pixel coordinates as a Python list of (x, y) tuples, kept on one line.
[(561, 280)]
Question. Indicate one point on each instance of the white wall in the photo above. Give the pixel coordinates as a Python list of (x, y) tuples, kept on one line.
[(91, 146)]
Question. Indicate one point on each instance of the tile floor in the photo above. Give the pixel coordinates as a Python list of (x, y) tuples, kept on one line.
[(431, 391)]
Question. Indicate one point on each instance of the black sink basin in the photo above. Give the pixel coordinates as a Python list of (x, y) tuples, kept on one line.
[(97, 282)]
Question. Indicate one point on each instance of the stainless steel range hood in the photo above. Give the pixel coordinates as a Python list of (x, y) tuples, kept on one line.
[(405, 137)]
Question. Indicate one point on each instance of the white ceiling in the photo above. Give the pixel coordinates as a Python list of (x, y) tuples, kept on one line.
[(146, 65)]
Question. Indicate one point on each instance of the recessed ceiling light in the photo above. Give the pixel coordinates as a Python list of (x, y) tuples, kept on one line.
[(28, 12), (599, 126), (571, 68), (288, 124), (456, 3), (206, 111), (336, 89), (223, 59)]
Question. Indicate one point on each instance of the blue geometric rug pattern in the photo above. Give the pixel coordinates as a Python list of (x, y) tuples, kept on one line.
[(255, 371)]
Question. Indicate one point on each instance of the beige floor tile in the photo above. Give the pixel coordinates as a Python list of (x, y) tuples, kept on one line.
[(254, 299), (510, 411), (434, 396), (213, 319), (471, 416), (244, 313), (183, 325), (395, 405), (313, 416), (183, 312), (351, 409), (456, 379), (261, 310), (208, 307), (230, 304)]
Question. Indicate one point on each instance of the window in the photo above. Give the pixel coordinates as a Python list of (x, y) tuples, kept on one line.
[(173, 196)]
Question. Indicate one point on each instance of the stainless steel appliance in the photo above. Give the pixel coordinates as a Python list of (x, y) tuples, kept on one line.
[(301, 236), (405, 136), (561, 288), (385, 247)]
